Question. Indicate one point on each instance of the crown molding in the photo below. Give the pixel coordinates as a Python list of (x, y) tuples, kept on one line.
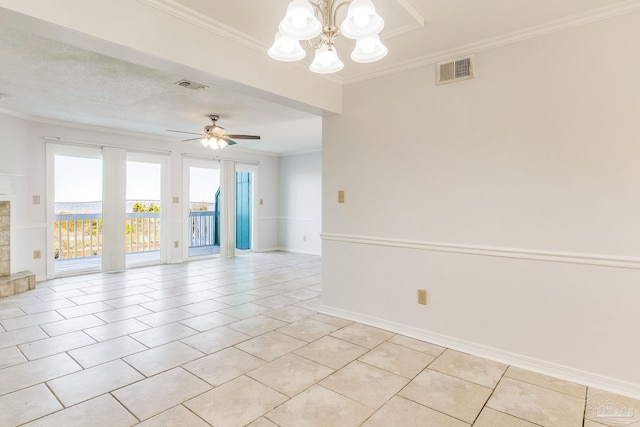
[(89, 127), (301, 152), (504, 40), (207, 23), (220, 29), (416, 20), (224, 31)]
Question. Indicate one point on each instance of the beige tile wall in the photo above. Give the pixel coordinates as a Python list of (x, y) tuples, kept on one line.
[(4, 239)]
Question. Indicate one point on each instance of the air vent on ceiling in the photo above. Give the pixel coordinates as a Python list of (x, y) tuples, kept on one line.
[(191, 85), (454, 70)]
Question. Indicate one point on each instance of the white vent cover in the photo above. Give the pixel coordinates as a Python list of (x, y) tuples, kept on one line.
[(191, 85), (454, 70)]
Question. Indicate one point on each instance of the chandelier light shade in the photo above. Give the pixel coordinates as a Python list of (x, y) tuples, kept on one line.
[(326, 61), (286, 49), (315, 23), (300, 22), (369, 49), (362, 20)]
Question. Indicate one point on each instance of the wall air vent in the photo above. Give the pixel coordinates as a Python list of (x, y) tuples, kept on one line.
[(454, 70), (192, 85)]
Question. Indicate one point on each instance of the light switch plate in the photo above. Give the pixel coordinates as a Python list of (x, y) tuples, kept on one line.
[(341, 196)]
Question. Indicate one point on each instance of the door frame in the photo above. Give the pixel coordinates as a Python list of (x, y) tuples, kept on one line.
[(51, 150), (242, 167), (165, 192), (187, 164)]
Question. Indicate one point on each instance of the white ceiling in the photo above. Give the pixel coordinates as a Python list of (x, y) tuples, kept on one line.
[(54, 80)]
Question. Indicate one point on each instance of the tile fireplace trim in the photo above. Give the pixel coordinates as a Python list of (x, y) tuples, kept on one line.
[(12, 229)]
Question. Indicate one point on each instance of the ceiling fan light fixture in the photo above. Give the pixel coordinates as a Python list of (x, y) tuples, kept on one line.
[(368, 50), (362, 20), (300, 21), (326, 61), (214, 136), (286, 49)]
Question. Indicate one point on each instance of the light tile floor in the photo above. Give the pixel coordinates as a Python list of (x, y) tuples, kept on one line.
[(234, 342)]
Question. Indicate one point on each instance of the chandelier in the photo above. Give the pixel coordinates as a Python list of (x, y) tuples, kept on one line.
[(316, 24)]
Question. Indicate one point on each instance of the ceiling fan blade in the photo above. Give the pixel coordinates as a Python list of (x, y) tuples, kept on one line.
[(192, 139), (242, 136), (229, 141), (181, 131)]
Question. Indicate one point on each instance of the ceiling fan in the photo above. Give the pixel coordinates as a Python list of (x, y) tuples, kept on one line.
[(215, 136)]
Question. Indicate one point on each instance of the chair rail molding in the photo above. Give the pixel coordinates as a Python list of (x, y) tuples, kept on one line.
[(493, 251)]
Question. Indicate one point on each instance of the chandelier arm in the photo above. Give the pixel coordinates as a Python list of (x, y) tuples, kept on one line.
[(315, 43), (335, 11), (317, 9)]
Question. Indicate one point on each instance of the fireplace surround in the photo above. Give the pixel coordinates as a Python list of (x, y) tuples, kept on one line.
[(10, 283)]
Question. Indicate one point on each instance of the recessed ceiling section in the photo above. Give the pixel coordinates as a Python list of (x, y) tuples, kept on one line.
[(415, 30), (254, 23)]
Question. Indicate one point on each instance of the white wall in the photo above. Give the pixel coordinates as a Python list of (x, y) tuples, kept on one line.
[(22, 152), (301, 203), (511, 198), (268, 211)]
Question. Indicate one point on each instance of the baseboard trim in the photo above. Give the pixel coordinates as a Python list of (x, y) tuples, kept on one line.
[(301, 251), (540, 366), (271, 249), (492, 251)]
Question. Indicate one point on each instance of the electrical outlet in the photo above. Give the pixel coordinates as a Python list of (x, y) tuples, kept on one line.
[(37, 254), (304, 238), (176, 244), (422, 297), (176, 200), (341, 196), (261, 202), (36, 200)]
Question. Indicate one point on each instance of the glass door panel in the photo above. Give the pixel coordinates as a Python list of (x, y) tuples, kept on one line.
[(143, 216), (204, 211), (77, 225)]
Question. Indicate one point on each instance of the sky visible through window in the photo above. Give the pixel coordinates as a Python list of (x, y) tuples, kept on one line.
[(79, 179)]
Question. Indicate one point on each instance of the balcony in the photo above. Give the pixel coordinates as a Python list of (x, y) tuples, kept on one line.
[(78, 238), (204, 235)]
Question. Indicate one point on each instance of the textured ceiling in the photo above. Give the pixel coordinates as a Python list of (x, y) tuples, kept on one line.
[(53, 80)]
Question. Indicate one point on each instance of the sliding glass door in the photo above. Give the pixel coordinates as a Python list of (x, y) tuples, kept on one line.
[(77, 211), (143, 228), (203, 223)]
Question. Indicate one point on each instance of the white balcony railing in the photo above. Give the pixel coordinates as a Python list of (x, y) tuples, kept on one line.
[(80, 235)]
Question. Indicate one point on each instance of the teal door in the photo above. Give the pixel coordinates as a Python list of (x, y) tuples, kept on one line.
[(216, 219), (243, 210)]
